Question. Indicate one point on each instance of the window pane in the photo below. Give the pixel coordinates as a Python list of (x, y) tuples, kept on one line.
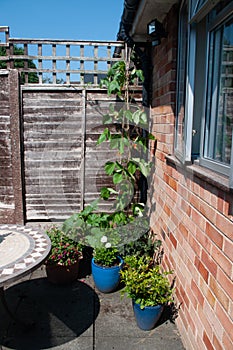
[(220, 102), (181, 84)]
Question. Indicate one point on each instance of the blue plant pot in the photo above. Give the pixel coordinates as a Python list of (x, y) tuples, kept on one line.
[(106, 279), (148, 317)]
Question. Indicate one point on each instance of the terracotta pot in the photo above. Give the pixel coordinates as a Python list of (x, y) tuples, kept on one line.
[(60, 274)]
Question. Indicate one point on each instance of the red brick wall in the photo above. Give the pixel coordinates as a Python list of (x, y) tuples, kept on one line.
[(193, 218)]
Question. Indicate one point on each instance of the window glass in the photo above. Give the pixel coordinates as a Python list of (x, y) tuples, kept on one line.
[(218, 132), (181, 81)]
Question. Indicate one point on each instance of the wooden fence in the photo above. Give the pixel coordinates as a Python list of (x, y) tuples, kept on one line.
[(50, 164)]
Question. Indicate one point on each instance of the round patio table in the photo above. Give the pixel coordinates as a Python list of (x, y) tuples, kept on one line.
[(22, 250)]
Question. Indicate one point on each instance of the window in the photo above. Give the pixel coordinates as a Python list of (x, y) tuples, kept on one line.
[(181, 81), (204, 123), (219, 112)]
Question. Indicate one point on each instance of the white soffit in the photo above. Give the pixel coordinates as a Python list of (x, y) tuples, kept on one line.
[(148, 10)]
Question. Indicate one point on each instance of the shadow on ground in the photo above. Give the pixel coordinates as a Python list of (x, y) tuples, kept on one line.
[(60, 314)]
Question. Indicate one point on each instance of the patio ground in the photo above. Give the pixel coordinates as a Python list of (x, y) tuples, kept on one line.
[(77, 317)]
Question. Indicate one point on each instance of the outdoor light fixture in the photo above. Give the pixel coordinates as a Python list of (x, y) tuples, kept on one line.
[(156, 31)]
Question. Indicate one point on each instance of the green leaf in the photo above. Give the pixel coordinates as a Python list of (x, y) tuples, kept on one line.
[(104, 193), (132, 167), (109, 168), (121, 148), (128, 115), (107, 119), (136, 116), (144, 166), (143, 119), (114, 87), (114, 142), (151, 137), (117, 178), (104, 136), (140, 75)]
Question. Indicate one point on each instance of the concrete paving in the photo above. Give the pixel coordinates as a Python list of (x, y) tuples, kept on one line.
[(77, 317)]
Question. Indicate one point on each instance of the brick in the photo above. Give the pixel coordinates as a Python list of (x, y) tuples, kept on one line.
[(194, 245), (214, 235), (184, 296), (201, 268), (195, 201), (216, 343), (207, 293), (226, 282), (198, 219), (198, 294), (225, 225), (209, 263), (228, 248), (227, 342), (173, 184), (203, 239), (207, 342), (224, 319), (216, 326), (219, 293), (204, 320), (220, 204), (190, 322), (221, 260), (208, 212), (183, 230), (173, 240)]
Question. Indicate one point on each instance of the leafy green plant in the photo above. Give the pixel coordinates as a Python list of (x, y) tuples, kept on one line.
[(98, 230), (106, 256), (130, 141), (19, 63), (130, 138), (143, 246), (144, 282), (64, 251)]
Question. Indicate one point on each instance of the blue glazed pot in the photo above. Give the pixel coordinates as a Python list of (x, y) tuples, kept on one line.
[(148, 317), (106, 279)]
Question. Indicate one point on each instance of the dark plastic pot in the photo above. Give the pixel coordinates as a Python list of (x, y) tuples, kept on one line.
[(60, 274), (148, 317), (106, 279)]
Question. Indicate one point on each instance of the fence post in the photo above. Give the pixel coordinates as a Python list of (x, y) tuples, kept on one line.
[(16, 146)]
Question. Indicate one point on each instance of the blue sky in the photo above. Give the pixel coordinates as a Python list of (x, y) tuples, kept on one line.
[(62, 19)]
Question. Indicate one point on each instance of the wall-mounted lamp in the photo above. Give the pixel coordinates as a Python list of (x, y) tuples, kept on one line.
[(156, 31)]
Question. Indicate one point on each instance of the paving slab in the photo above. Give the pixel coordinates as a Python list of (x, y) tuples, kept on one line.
[(76, 317)]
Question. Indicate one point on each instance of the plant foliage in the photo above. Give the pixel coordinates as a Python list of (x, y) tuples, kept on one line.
[(19, 63), (64, 251), (145, 283)]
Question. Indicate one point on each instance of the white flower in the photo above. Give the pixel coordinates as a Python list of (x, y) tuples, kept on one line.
[(108, 245), (104, 239)]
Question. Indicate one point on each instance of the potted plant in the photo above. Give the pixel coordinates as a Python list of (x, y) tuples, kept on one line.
[(106, 266), (62, 264), (148, 287), (100, 231), (123, 132)]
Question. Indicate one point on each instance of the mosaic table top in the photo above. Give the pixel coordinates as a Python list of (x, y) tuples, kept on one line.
[(22, 249)]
